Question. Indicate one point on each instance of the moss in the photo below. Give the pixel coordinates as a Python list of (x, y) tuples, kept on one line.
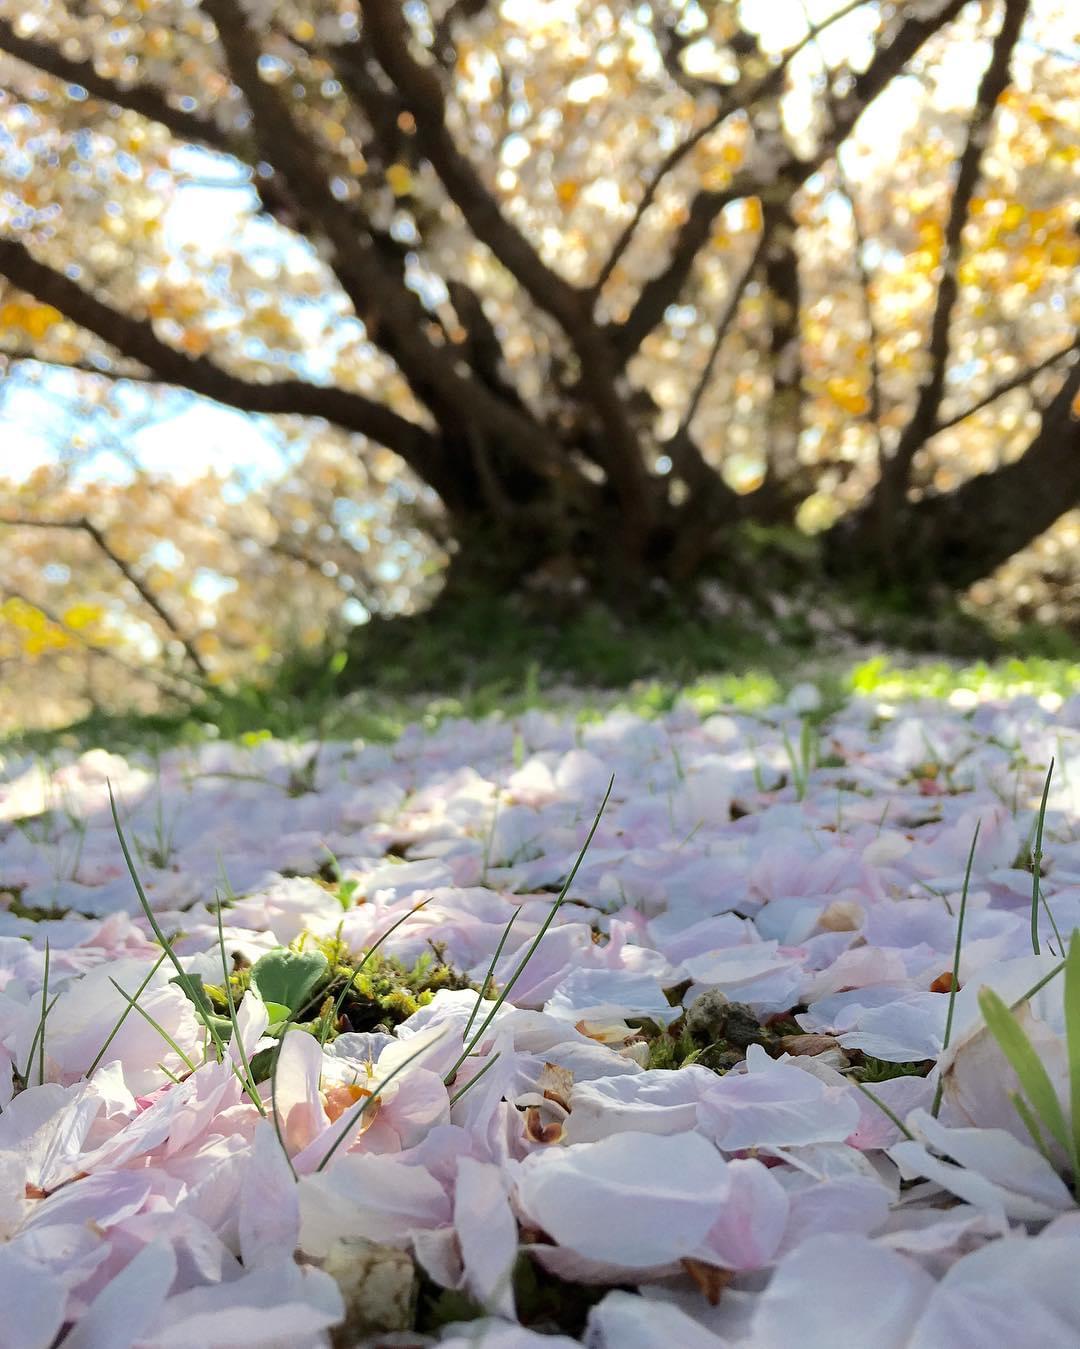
[(670, 1048), (545, 1303), (718, 1058), (36, 913), (715, 1034), (386, 991), (872, 1070)]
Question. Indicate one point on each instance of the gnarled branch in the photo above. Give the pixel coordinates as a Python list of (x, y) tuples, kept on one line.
[(421, 92), (136, 339), (921, 424), (357, 261), (663, 290)]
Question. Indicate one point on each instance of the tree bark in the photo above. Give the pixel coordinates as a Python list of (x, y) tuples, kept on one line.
[(952, 540)]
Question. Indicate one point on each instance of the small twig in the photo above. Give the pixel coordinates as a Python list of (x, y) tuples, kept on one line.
[(723, 324), (675, 157), (1006, 386), (85, 525), (160, 677)]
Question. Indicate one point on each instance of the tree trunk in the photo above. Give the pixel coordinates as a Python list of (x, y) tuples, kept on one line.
[(952, 540), (784, 415)]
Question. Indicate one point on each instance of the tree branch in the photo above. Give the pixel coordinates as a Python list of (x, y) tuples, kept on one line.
[(727, 317), (387, 145), (780, 180), (1016, 381), (145, 99), (387, 30), (358, 264), (150, 102), (162, 678), (736, 99), (921, 424), (87, 526), (957, 537), (136, 339), (873, 412), (419, 87)]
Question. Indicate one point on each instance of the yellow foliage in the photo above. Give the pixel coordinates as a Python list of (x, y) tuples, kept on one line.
[(400, 179), (35, 632), (32, 318), (716, 177), (81, 616), (849, 395), (1013, 216)]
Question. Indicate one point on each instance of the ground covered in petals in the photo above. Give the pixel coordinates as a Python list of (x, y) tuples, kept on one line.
[(376, 1054)]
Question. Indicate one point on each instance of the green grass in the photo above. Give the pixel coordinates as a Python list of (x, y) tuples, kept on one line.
[(500, 657)]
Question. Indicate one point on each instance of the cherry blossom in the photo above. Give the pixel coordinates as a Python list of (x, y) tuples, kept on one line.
[(711, 1086)]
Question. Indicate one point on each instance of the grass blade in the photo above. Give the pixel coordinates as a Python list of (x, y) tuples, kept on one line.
[(889, 1114), (24, 1077), (1037, 987), (796, 772), (1031, 1124), (237, 1038), (125, 1014), (955, 981), (156, 1025), (359, 1110), (1036, 866), (44, 1017), (473, 1080), (274, 1116), (490, 974), (471, 1045), (1027, 1066), (182, 977)]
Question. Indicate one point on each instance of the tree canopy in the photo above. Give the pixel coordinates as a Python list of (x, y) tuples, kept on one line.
[(558, 288)]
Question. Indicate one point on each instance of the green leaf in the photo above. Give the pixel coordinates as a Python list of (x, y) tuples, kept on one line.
[(277, 1012), (288, 977), (1072, 1040), (1027, 1065), (1030, 1123), (345, 892)]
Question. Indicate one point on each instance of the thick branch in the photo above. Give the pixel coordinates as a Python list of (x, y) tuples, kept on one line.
[(961, 536), (136, 339), (420, 90), (781, 181), (388, 32), (784, 410), (735, 99), (923, 420), (145, 99), (357, 261), (386, 145)]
